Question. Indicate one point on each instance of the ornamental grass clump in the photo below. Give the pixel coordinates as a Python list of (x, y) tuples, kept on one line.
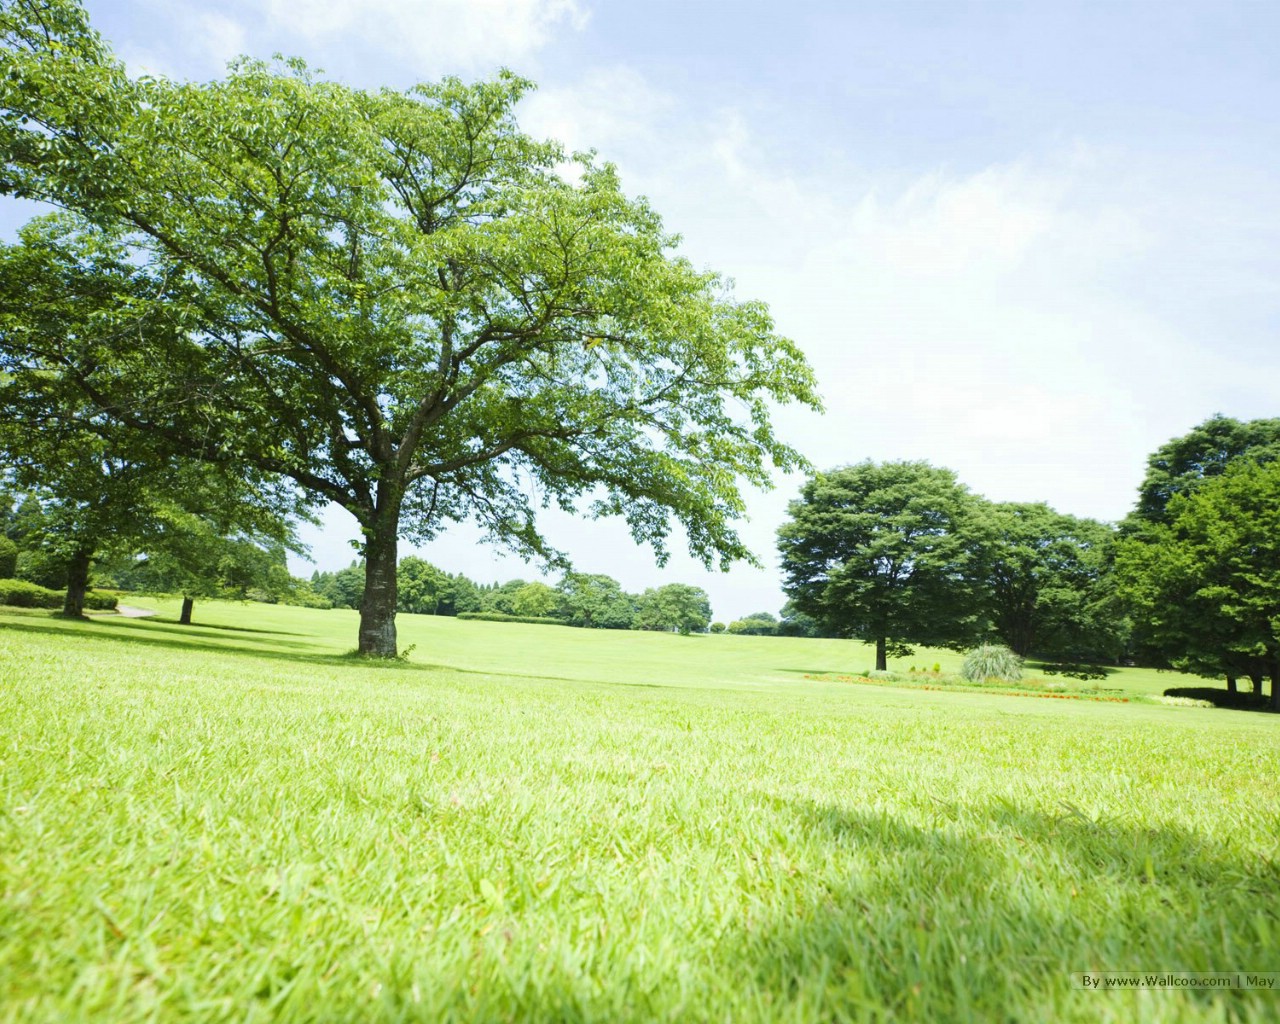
[(992, 661)]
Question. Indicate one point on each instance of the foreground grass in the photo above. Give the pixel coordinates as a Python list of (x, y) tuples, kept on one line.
[(234, 822)]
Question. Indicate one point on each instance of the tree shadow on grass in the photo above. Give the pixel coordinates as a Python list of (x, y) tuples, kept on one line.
[(159, 624), (143, 633), (986, 914), (822, 673), (153, 619), (1224, 698)]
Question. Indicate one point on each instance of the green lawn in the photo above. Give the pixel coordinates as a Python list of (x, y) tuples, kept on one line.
[(234, 821)]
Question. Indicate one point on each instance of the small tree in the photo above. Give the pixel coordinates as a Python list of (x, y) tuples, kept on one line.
[(344, 588), (535, 599), (421, 587), (755, 624), (1048, 583), (502, 598), (466, 596), (675, 606), (597, 602), (205, 566), (797, 623)]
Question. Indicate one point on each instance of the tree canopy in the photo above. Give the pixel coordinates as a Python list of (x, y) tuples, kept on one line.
[(395, 299), (597, 601), (675, 606), (1183, 463)]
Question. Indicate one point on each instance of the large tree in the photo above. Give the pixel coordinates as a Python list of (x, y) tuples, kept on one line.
[(1206, 584), (888, 553), (1176, 633), (401, 301)]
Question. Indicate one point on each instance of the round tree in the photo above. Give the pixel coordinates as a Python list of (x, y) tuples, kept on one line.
[(886, 553)]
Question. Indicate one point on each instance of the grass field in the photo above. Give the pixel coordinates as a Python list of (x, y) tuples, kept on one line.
[(235, 822)]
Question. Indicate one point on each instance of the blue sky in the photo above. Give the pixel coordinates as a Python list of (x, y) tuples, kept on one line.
[(1030, 242)]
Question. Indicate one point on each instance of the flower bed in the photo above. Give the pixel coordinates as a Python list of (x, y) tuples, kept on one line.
[(1004, 692)]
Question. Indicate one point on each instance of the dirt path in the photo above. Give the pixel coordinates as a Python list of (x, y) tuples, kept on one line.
[(130, 612)]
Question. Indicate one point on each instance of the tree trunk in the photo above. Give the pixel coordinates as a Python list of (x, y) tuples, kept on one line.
[(378, 607), (187, 604), (1271, 662), (77, 583), (882, 659), (1256, 679), (1231, 684)]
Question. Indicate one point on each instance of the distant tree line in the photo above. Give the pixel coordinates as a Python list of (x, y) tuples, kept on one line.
[(189, 557), (590, 601)]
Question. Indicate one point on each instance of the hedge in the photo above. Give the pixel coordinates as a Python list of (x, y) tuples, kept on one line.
[(21, 594), (500, 617)]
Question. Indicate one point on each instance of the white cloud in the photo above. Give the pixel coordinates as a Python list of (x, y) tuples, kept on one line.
[(373, 41), (940, 228), (456, 34), (222, 38), (613, 110)]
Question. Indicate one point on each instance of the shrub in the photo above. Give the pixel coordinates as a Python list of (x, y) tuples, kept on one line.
[(718, 627), (8, 559), (310, 601), (500, 617), (99, 602), (992, 661), (21, 594), (752, 626)]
